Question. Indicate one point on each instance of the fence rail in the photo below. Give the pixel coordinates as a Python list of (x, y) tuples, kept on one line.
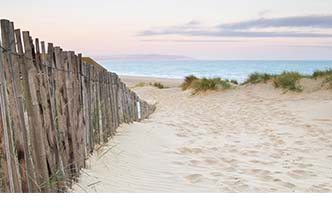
[(55, 108)]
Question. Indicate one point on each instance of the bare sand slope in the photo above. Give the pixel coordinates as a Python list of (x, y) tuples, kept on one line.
[(251, 139)]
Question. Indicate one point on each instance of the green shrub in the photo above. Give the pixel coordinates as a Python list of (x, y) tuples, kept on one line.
[(322, 73), (235, 82), (328, 80), (140, 84), (288, 81), (158, 85), (327, 74), (188, 80), (205, 84), (258, 77)]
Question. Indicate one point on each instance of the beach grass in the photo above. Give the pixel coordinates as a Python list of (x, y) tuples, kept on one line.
[(288, 81), (158, 85), (140, 84), (322, 73), (154, 84), (258, 77), (188, 80), (325, 74), (205, 84), (328, 80)]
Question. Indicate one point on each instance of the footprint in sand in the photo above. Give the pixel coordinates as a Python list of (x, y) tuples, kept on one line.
[(177, 162), (288, 185), (230, 169), (213, 149), (216, 174), (194, 178), (255, 171), (263, 175), (298, 174), (194, 163), (303, 165), (299, 142), (261, 162), (187, 150), (234, 151), (210, 161), (181, 135), (319, 188), (275, 156)]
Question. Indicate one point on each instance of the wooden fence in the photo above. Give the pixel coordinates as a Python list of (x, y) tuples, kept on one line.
[(55, 108)]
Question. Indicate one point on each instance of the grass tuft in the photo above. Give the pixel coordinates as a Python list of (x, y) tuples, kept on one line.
[(188, 80), (258, 77), (322, 73), (328, 80), (140, 84), (205, 84), (288, 81), (158, 85), (326, 74)]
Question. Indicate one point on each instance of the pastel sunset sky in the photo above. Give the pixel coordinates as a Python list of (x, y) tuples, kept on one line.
[(204, 29)]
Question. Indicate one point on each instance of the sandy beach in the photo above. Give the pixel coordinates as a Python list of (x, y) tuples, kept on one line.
[(253, 138)]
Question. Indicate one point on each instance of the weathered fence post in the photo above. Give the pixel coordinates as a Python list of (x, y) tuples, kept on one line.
[(34, 114), (55, 107)]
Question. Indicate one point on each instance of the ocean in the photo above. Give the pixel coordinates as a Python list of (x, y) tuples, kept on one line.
[(228, 69)]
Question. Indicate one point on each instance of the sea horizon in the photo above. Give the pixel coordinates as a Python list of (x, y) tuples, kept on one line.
[(227, 69)]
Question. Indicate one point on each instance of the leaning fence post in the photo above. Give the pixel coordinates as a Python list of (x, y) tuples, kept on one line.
[(6, 163)]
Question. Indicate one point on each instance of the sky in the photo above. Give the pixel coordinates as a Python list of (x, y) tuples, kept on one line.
[(205, 29)]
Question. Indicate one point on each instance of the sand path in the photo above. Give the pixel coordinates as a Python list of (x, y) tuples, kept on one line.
[(252, 139)]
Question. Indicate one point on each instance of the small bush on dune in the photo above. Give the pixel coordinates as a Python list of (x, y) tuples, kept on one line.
[(285, 80), (188, 80), (158, 85), (140, 84), (234, 82), (205, 84), (328, 80), (326, 74), (258, 77), (322, 73), (288, 81)]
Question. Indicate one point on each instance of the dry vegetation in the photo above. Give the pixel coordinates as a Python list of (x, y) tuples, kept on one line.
[(287, 80), (154, 84), (158, 85), (205, 84)]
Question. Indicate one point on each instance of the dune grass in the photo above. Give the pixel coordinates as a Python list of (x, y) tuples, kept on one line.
[(258, 78), (328, 80), (188, 80), (322, 73), (154, 84), (205, 84), (325, 74), (158, 85), (288, 81), (140, 84)]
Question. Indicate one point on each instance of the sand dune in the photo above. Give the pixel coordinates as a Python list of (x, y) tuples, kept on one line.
[(249, 139)]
